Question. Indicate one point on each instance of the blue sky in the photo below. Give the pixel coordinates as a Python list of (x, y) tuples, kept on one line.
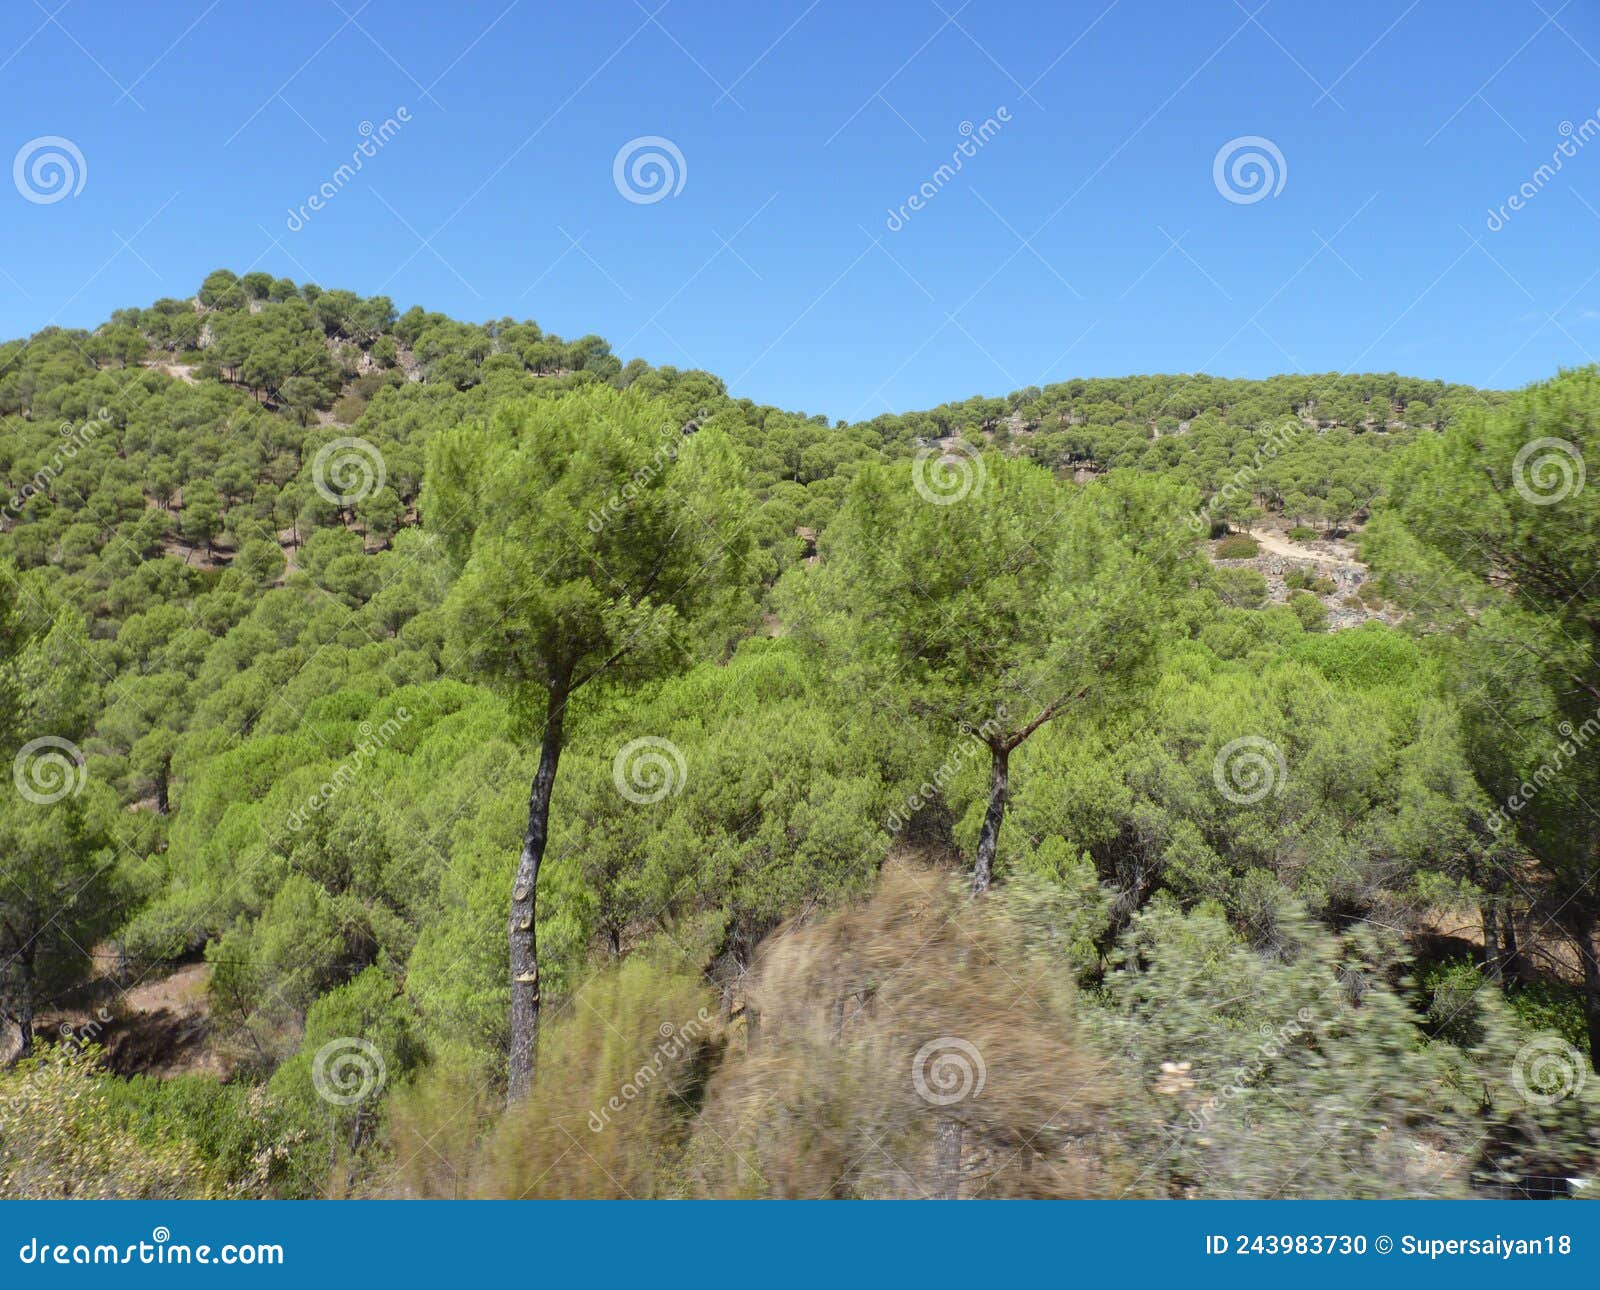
[(1087, 235)]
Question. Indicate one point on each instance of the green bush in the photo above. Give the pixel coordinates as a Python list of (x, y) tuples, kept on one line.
[(1240, 588), (1311, 612), (1237, 546), (1303, 533)]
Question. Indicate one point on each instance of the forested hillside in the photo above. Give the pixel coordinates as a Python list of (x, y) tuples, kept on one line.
[(448, 760)]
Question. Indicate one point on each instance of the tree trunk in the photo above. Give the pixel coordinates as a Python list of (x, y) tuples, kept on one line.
[(947, 1135), (989, 835), (524, 904), (1491, 942), (1591, 987), (1510, 955)]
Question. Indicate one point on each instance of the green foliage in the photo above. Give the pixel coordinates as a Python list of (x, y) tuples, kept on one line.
[(1237, 546), (303, 727)]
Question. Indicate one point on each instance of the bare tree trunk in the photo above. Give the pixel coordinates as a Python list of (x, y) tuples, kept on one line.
[(947, 1158), (1584, 936), (521, 932), (1510, 955), (1491, 942), (989, 835)]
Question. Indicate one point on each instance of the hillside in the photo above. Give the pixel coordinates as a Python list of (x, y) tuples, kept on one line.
[(1195, 682)]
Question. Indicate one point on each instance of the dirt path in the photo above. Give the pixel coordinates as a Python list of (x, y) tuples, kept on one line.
[(1282, 546)]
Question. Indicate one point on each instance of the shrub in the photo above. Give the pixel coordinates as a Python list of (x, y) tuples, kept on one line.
[(1240, 588), (1237, 546), (1311, 612), (1303, 533)]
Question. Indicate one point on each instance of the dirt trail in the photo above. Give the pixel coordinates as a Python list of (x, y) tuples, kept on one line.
[(1282, 546)]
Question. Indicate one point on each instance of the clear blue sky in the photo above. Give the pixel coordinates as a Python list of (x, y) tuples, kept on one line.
[(1086, 236)]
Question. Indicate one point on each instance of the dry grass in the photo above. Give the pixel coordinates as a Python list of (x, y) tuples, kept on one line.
[(818, 1088)]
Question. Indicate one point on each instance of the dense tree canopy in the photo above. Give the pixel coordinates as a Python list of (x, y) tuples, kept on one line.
[(431, 693)]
